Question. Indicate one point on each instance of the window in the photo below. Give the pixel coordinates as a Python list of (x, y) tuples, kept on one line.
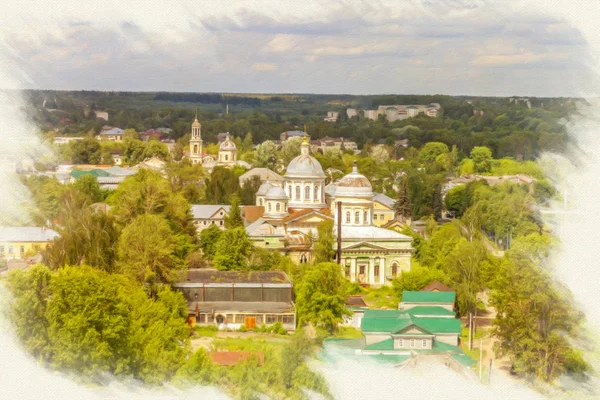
[(1, 249), (285, 207), (307, 193), (204, 222), (365, 218), (316, 193), (10, 249), (374, 217), (394, 269), (260, 202), (347, 217), (357, 217), (412, 342), (221, 213), (195, 149), (377, 270), (297, 193), (226, 157), (424, 343), (269, 206), (22, 250), (288, 319), (278, 207), (290, 191), (362, 270), (221, 223), (400, 342)]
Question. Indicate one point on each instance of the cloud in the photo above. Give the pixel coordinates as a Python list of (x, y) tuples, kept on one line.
[(264, 67), (516, 59)]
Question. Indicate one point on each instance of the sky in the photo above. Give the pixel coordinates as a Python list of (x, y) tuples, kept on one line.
[(409, 47)]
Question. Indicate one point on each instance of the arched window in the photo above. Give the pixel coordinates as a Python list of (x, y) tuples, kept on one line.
[(365, 218), (347, 217), (307, 193), (316, 193), (394, 269), (290, 191), (277, 207), (269, 206), (357, 217), (260, 202), (195, 149), (226, 157), (297, 193)]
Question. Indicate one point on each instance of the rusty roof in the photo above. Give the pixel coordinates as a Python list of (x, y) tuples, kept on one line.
[(437, 286), (297, 213), (206, 275), (355, 301), (252, 213)]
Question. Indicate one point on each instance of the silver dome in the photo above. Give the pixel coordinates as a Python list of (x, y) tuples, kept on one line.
[(354, 184), (276, 193), (264, 189), (227, 144)]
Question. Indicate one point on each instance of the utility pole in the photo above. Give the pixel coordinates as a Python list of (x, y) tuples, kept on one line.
[(490, 373), (470, 331), (480, 359)]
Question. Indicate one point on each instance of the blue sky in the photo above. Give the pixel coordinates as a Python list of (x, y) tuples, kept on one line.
[(446, 47)]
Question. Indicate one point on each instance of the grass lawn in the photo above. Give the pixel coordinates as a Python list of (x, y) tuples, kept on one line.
[(383, 297), (347, 332), (480, 333), (205, 330)]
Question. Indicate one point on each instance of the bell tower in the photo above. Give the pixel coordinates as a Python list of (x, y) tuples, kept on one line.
[(196, 142)]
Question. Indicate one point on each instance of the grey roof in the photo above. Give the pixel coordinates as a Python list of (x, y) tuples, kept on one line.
[(110, 179), (207, 276), (200, 211), (295, 133), (27, 234), (113, 131), (265, 174), (383, 199)]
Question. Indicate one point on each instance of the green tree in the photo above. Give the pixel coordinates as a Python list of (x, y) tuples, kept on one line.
[(482, 159), (320, 297), (290, 149), (147, 251), (209, 237), (402, 206), (432, 150), (234, 218), (88, 184), (323, 248), (221, 186), (232, 250), (86, 151), (248, 191), (266, 155)]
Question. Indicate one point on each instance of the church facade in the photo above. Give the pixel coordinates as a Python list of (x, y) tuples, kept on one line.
[(227, 156), (295, 206)]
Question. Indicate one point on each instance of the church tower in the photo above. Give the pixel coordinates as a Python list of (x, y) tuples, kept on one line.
[(196, 142)]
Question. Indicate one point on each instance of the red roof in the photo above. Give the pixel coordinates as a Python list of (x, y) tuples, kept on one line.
[(436, 286)]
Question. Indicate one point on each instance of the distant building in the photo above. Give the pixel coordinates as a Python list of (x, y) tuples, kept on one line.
[(322, 145), (114, 134), (383, 209), (351, 112), (265, 175), (151, 134), (66, 139), (332, 116), (290, 134), (117, 157), (195, 154), (102, 115), (400, 112), (370, 114), (436, 286), (227, 153), (230, 299), (205, 215), (19, 242)]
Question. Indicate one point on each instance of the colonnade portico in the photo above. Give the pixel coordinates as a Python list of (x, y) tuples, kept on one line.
[(366, 266)]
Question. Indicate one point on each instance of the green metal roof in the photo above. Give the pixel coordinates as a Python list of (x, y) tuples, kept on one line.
[(439, 325), (384, 324), (430, 310), (464, 359), (383, 313), (95, 172), (428, 297), (387, 344)]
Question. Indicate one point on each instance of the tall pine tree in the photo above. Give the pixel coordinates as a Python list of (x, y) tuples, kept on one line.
[(403, 206)]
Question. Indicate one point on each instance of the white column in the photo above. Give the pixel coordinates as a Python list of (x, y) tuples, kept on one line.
[(382, 271), (371, 271), (353, 269)]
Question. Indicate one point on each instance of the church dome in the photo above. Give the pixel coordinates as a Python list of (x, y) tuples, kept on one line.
[(276, 193), (227, 145), (196, 123), (305, 165), (264, 189), (353, 184)]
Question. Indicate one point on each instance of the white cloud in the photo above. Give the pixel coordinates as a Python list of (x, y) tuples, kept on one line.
[(516, 59), (264, 67)]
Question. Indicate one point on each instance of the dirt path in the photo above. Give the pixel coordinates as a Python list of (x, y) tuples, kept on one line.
[(206, 341)]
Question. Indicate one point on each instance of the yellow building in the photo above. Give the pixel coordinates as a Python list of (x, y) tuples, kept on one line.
[(19, 242), (383, 209)]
